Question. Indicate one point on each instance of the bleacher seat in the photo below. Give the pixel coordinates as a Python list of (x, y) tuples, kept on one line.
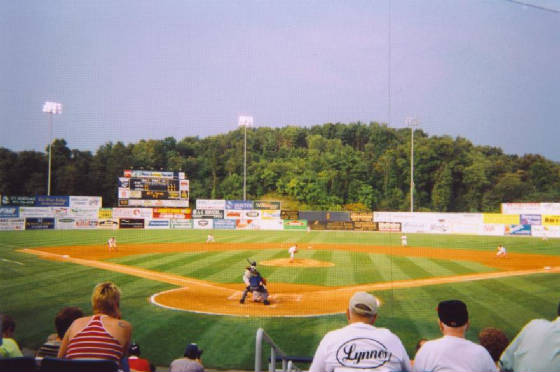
[(19, 364), (77, 365)]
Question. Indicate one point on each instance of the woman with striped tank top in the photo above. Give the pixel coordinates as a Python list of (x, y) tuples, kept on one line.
[(101, 336)]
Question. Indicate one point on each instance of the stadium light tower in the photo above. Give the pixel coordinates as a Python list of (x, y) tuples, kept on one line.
[(245, 121), (51, 108), (412, 123)]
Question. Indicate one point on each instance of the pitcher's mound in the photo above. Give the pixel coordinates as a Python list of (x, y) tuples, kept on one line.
[(298, 262)]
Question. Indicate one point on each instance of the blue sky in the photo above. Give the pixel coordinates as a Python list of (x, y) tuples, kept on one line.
[(486, 70)]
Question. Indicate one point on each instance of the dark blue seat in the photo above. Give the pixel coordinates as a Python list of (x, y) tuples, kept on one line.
[(78, 365), (19, 364)]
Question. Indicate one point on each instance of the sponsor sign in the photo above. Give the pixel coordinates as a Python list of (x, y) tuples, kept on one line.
[(270, 214), (244, 224), (105, 213), (124, 193), (465, 228), (361, 353), (9, 212), (521, 208), (65, 223), (60, 211), (518, 229), (224, 224), (289, 215), (269, 224), (506, 219), (180, 224), (313, 215), (158, 174), (261, 204), (551, 220), (389, 226), (316, 225), (35, 212), (365, 225), (171, 213), (550, 208), (83, 213), (154, 203), (545, 231), (339, 225), (440, 228), (530, 219), (338, 216), (85, 202), (184, 185), (35, 223), (132, 213), (86, 223), (52, 201), (157, 224), (361, 216), (415, 227), (210, 204), (124, 183), (12, 224), (295, 224), (203, 224), (108, 223), (208, 213), (234, 215), (239, 204), (22, 201), (131, 223), (493, 229)]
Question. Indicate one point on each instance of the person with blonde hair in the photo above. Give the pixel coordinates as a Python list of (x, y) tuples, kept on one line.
[(104, 335)]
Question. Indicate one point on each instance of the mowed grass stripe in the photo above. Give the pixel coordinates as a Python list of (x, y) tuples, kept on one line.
[(340, 272)]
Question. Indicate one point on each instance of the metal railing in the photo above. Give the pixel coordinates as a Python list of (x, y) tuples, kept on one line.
[(275, 354)]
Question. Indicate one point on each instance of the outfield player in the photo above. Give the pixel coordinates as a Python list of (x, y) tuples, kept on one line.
[(112, 244), (292, 251), (404, 241), (501, 251)]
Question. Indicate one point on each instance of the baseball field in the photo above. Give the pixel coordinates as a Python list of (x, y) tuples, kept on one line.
[(178, 289)]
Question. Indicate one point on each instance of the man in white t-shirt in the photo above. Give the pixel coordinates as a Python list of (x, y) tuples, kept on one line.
[(453, 352), (360, 346), (292, 251)]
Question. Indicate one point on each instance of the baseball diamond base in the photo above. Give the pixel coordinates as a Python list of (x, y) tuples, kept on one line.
[(287, 300)]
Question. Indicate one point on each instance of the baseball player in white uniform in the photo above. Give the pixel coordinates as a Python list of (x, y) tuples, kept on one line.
[(404, 241), (292, 251), (501, 251), (112, 244), (210, 239)]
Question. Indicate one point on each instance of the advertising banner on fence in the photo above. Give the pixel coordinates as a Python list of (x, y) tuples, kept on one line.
[(131, 223), (9, 212), (267, 224), (160, 223), (289, 215), (108, 223), (389, 226), (242, 214), (65, 223), (270, 214), (295, 224), (132, 213), (339, 225), (21, 201), (361, 216), (316, 225), (85, 202), (320, 216), (203, 224), (338, 216), (493, 229), (86, 223), (261, 204), (518, 230), (415, 227), (176, 213), (531, 208), (224, 224), (545, 231), (12, 224), (365, 226), (124, 193), (530, 219), (34, 223), (180, 224), (154, 203), (466, 229), (244, 225), (35, 212), (105, 213), (239, 204), (547, 220), (83, 213), (52, 201), (210, 204), (440, 228), (208, 213), (506, 219), (60, 212)]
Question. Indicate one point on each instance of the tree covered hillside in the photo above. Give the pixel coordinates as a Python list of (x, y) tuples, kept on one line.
[(332, 166)]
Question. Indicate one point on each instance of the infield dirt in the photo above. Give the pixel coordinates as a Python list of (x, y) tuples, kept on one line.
[(287, 300)]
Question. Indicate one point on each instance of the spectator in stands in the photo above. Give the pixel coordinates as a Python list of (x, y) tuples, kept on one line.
[(62, 322), (104, 335), (453, 352), (535, 348), (191, 361), (9, 347), (135, 362), (493, 340), (360, 345)]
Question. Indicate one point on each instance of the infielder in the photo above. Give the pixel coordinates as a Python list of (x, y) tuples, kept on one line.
[(292, 251), (210, 239), (112, 244), (501, 251)]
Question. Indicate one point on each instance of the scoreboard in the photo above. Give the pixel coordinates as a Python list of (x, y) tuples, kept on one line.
[(153, 189)]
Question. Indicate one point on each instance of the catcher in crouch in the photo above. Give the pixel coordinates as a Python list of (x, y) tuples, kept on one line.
[(255, 284)]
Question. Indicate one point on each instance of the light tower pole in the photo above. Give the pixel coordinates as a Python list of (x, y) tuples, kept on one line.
[(245, 121), (51, 108), (412, 123)]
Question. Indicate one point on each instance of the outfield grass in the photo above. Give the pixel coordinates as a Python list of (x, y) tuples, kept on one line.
[(33, 290)]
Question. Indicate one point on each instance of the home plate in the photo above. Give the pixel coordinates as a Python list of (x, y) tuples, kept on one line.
[(66, 256), (547, 268)]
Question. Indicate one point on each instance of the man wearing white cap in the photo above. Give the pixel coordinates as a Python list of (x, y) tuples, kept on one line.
[(360, 345)]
